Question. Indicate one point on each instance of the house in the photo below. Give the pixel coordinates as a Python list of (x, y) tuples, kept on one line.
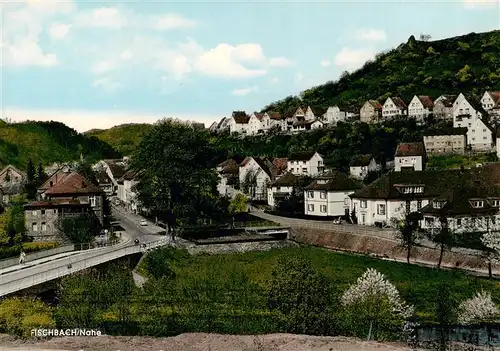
[(115, 169), (238, 123), (443, 107), (420, 107), (361, 165), (228, 172), (333, 115), (306, 163), (491, 103), (281, 188), (126, 191), (275, 120), (371, 112), (466, 111), (67, 194), (255, 176), (213, 127), (393, 107), (12, 182), (395, 194), (223, 125), (410, 157), (317, 124), (254, 124), (328, 195), (446, 141)]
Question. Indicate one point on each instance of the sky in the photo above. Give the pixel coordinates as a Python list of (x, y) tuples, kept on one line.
[(93, 64)]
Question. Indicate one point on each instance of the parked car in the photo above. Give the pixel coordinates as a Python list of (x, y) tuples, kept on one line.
[(143, 222)]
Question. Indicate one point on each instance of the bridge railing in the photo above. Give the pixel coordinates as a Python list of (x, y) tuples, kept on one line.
[(32, 276)]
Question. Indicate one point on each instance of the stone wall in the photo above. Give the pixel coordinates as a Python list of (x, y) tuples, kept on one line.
[(385, 248), (239, 247)]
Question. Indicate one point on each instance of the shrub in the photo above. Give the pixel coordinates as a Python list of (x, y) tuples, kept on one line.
[(19, 315)]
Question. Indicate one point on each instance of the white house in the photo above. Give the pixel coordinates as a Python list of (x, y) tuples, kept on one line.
[(470, 114), (328, 195), (333, 115), (491, 103), (420, 107), (480, 136), (228, 172), (393, 106), (115, 169), (361, 165), (317, 124), (281, 188), (238, 123), (443, 107), (410, 157), (275, 120), (464, 113), (370, 112), (305, 163), (126, 191), (255, 176)]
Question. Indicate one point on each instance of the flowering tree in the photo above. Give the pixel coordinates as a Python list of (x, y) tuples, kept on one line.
[(479, 308), (376, 300), (491, 241)]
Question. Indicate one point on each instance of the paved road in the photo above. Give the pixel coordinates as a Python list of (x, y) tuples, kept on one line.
[(131, 223)]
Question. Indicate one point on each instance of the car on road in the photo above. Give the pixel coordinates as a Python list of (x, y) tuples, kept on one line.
[(143, 222)]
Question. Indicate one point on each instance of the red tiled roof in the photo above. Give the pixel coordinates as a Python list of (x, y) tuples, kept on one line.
[(495, 95), (426, 101), (375, 104), (399, 102), (73, 183), (410, 149), (56, 177), (281, 164), (259, 116), (274, 115)]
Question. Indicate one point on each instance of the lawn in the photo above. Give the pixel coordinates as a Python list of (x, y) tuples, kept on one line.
[(455, 161), (418, 285)]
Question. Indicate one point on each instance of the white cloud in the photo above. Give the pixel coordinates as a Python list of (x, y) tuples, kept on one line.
[(25, 52), (104, 17), (299, 77), (353, 58), (274, 80), (173, 21), (480, 4), (58, 30), (107, 84), (325, 63), (103, 67), (279, 62), (374, 35), (126, 55), (245, 91), (86, 120)]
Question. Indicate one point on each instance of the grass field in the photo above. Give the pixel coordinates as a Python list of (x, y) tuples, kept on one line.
[(455, 161), (418, 285)]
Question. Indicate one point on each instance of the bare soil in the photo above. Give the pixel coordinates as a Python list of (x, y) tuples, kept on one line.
[(198, 342)]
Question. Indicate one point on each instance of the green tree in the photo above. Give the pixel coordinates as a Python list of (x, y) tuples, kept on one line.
[(80, 229), (408, 231), (445, 310), (175, 164), (12, 223), (41, 176), (444, 237), (238, 204), (85, 169), (31, 185)]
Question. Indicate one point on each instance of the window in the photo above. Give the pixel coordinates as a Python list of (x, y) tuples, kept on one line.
[(278, 188), (44, 227), (42, 212), (408, 206), (381, 209), (484, 130), (303, 162), (495, 203), (419, 205), (304, 170), (322, 195), (362, 204), (34, 227), (92, 200), (291, 170), (459, 221), (310, 208), (34, 212), (438, 204), (478, 204), (310, 194), (363, 218), (322, 208)]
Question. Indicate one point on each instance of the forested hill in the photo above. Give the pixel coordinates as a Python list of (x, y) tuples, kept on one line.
[(48, 142), (123, 138), (468, 63)]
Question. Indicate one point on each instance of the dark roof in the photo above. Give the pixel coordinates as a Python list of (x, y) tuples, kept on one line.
[(447, 100), (375, 104), (398, 102), (73, 183), (274, 115), (240, 117), (117, 168), (495, 95), (317, 110), (281, 164), (361, 160), (301, 156), (426, 101), (476, 104), (410, 149), (288, 179), (56, 203), (102, 177), (229, 167), (334, 181), (446, 131), (129, 175), (434, 182), (303, 123)]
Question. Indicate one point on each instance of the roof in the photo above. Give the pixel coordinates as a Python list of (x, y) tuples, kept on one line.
[(447, 100), (264, 163), (361, 160), (398, 102), (446, 131), (12, 168), (434, 182), (281, 164), (102, 177), (229, 167), (240, 117), (57, 176), (301, 156), (56, 203), (495, 96), (129, 175), (426, 101), (334, 181), (259, 116), (376, 105), (410, 149), (116, 167), (274, 115), (303, 123), (288, 179), (317, 110), (73, 183)]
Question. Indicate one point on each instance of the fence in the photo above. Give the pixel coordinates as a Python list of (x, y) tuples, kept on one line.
[(9, 262), (35, 275), (479, 334)]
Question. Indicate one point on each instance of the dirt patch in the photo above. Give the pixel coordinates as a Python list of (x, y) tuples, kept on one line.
[(200, 341)]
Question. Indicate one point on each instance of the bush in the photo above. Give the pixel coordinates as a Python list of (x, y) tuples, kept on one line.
[(18, 316), (13, 251)]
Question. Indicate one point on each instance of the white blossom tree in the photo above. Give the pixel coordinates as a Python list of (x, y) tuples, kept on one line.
[(491, 241), (479, 308), (376, 300)]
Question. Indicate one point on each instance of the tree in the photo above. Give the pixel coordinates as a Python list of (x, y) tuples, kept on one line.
[(478, 309), (301, 296), (41, 176), (238, 204), (491, 241), (31, 185), (425, 37), (408, 231), (80, 229), (375, 300), (175, 165), (444, 237), (249, 185), (85, 170), (12, 223), (445, 312)]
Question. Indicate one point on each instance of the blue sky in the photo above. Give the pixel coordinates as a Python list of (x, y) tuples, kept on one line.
[(94, 64)]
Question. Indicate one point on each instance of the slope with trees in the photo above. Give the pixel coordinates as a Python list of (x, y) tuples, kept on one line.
[(468, 63), (123, 138)]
